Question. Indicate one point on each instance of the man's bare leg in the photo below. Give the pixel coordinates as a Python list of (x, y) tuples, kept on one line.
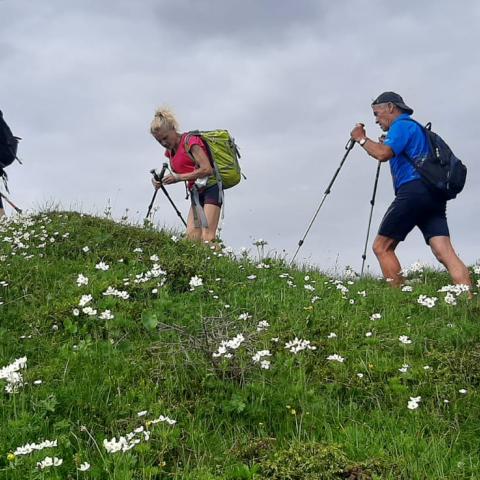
[(384, 249), (442, 249)]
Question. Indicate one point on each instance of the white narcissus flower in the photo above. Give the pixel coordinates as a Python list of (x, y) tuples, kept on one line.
[(297, 345), (106, 315), (404, 339), (413, 403), (102, 266), (336, 358), (195, 282), (376, 316), (84, 467), (84, 300), (82, 280), (262, 325), (427, 301), (49, 462)]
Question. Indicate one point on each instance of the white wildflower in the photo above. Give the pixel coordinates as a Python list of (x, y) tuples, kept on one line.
[(106, 315), (84, 467), (404, 339), (195, 282), (32, 447), (49, 462), (82, 280), (336, 358), (427, 301), (404, 368), (262, 325), (232, 344), (413, 403), (297, 345), (84, 300), (102, 266), (259, 357)]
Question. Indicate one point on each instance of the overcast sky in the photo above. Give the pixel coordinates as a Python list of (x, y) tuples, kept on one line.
[(80, 82)]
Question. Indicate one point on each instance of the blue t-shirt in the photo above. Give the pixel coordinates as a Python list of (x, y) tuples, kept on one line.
[(406, 139)]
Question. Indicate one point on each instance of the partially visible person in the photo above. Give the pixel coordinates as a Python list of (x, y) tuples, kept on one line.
[(415, 204), (8, 154), (193, 167)]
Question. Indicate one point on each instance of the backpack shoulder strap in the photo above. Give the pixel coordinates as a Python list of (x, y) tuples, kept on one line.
[(188, 136), (425, 129)]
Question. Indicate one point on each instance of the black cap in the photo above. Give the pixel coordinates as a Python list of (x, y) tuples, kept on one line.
[(395, 98)]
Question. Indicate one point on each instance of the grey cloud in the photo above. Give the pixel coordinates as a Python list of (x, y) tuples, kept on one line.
[(249, 22)]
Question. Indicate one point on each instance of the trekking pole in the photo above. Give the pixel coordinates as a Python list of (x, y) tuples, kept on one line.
[(18, 210), (372, 203), (348, 147), (158, 178), (173, 205)]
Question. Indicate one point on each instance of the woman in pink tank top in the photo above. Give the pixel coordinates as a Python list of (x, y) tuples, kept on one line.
[(193, 168)]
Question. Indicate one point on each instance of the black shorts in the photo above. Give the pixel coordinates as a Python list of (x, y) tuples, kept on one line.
[(210, 196), (415, 206)]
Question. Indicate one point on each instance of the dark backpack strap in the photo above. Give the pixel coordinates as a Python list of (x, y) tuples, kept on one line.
[(424, 130)]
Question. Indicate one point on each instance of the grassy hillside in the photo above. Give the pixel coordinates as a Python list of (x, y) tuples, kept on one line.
[(212, 367)]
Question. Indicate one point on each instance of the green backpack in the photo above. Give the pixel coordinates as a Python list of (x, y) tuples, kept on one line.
[(223, 154)]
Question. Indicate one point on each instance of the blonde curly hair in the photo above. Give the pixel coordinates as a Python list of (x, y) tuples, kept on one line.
[(164, 119)]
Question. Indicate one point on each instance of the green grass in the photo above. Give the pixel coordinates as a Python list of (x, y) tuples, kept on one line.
[(303, 418)]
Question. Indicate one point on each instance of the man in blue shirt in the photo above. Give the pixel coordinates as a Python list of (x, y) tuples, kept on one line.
[(415, 203)]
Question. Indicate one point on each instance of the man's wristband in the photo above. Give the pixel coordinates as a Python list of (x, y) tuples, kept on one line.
[(363, 141)]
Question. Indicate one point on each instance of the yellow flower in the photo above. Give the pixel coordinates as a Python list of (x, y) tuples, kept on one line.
[(10, 457)]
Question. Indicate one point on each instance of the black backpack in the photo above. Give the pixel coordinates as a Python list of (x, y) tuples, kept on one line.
[(8, 147), (441, 168)]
